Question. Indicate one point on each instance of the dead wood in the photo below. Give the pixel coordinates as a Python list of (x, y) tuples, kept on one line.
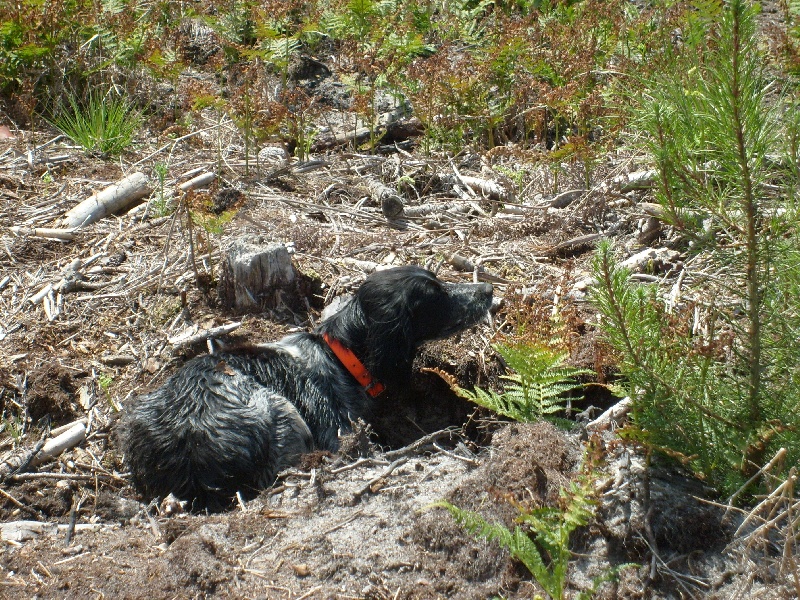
[(564, 199), (391, 204), (45, 232), (44, 450), (463, 264), (108, 201), (440, 208), (199, 181), (422, 443), (612, 418), (485, 187), (651, 260), (256, 275), (390, 123), (374, 485), (639, 180), (18, 531), (192, 336), (57, 445), (574, 245)]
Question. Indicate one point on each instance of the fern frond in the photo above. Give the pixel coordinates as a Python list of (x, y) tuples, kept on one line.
[(517, 542), (537, 388), (547, 555), (447, 377), (279, 49)]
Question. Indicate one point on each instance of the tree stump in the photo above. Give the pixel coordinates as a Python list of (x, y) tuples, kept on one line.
[(257, 275)]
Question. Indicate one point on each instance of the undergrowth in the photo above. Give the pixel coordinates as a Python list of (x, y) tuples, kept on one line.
[(541, 540), (538, 388), (536, 74), (712, 365)]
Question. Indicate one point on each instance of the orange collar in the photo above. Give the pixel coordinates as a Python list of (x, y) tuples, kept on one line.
[(355, 366)]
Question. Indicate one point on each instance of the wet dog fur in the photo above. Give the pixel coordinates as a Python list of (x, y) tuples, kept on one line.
[(230, 422)]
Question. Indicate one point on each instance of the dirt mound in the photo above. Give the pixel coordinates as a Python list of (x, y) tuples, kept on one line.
[(352, 530)]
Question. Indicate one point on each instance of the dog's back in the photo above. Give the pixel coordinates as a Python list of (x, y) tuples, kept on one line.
[(210, 431)]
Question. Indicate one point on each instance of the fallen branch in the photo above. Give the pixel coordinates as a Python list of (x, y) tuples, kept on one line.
[(197, 182), (463, 264), (611, 418), (575, 244), (187, 339), (45, 232), (426, 210), (63, 439), (391, 204), (372, 486), (640, 180), (19, 531), (391, 123), (485, 187), (422, 442), (54, 447), (564, 199), (108, 201)]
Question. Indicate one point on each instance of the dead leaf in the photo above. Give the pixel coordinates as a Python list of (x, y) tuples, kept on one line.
[(301, 570), (222, 367)]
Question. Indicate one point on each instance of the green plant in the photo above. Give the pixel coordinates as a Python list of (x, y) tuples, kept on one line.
[(537, 388), (102, 123), (716, 381), (105, 381), (161, 204), (517, 176), (236, 24), (546, 555), (15, 426), (212, 224)]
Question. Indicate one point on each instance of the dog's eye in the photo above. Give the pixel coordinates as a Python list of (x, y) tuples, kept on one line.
[(430, 292)]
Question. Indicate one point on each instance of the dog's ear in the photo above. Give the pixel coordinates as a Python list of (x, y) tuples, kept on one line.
[(390, 344), (380, 322)]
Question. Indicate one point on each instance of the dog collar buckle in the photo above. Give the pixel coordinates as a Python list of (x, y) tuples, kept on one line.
[(356, 368), (375, 388)]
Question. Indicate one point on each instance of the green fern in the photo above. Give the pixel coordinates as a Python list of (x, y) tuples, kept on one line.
[(546, 555), (537, 388)]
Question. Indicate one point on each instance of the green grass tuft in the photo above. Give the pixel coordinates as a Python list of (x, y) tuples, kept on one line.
[(101, 124)]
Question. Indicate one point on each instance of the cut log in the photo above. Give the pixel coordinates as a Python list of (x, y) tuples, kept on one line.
[(391, 204), (564, 199), (55, 446), (108, 201), (256, 276), (201, 180)]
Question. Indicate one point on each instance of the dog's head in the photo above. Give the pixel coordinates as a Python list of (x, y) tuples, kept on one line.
[(396, 310)]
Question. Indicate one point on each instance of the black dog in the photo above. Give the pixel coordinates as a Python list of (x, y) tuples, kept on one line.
[(230, 422)]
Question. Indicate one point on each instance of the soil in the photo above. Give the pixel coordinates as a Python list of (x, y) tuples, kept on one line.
[(359, 524)]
